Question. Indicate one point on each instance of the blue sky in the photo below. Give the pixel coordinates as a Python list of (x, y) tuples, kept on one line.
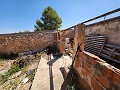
[(20, 15)]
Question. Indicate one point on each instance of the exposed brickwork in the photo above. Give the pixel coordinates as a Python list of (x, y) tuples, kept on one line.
[(110, 28), (70, 33), (96, 74), (21, 42), (62, 41)]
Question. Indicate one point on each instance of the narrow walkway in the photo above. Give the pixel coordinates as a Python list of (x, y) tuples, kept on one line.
[(50, 74)]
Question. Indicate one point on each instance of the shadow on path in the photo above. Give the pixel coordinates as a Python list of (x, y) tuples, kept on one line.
[(63, 71), (70, 81), (51, 78), (50, 63)]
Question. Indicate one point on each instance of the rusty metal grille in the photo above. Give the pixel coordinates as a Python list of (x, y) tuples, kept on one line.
[(94, 43)]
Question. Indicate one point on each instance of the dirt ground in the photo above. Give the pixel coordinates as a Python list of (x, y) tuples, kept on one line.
[(48, 73), (16, 81)]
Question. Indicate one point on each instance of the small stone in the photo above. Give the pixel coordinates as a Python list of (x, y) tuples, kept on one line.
[(25, 80)]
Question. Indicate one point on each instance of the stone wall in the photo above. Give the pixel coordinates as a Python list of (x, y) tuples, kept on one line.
[(110, 28), (96, 74), (62, 35), (70, 33), (21, 42)]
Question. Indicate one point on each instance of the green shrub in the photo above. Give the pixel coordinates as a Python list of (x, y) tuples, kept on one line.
[(13, 69), (2, 61)]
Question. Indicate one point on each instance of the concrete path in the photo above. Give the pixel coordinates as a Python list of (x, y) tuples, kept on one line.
[(50, 74)]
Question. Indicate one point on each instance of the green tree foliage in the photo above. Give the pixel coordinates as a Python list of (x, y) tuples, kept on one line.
[(49, 20)]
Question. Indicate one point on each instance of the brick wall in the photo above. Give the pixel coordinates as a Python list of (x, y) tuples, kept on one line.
[(109, 28), (62, 35), (96, 74), (62, 41), (70, 33), (21, 42)]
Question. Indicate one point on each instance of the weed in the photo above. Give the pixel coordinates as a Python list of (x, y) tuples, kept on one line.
[(2, 61), (31, 76), (13, 69)]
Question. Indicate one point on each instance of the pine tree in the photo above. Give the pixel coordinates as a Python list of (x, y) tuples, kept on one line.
[(49, 20)]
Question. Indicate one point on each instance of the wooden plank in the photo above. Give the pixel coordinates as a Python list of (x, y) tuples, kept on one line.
[(115, 53), (117, 61), (112, 52), (103, 54), (113, 46), (109, 49), (106, 52), (102, 46)]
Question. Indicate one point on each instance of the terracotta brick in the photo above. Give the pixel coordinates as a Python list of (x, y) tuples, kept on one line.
[(87, 68), (115, 84), (62, 48), (78, 60), (77, 63), (102, 80), (96, 85), (107, 72), (81, 55), (84, 73), (92, 60), (85, 85), (116, 75)]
